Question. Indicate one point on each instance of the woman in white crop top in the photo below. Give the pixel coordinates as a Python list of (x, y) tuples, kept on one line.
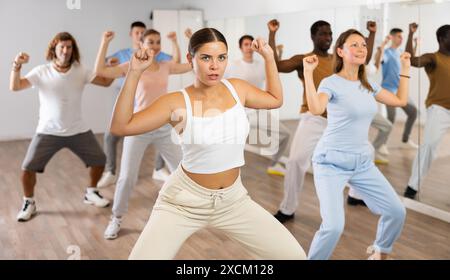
[(206, 189)]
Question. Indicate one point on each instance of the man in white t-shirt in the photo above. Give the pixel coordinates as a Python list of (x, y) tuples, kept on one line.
[(61, 83), (253, 71)]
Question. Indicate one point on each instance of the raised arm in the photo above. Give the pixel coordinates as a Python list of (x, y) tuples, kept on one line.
[(188, 33), (426, 60), (256, 98), (280, 48), (401, 98), (124, 122), (101, 69), (372, 27), (380, 52), (415, 46), (317, 102), (176, 56), (106, 82), (17, 83), (284, 66), (180, 68)]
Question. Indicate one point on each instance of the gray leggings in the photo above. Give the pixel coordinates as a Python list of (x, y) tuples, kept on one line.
[(411, 111), (110, 146), (384, 129)]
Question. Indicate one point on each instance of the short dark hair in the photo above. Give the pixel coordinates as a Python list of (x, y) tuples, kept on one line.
[(241, 40), (316, 25), (149, 32), (204, 36), (395, 31), (442, 32), (138, 24)]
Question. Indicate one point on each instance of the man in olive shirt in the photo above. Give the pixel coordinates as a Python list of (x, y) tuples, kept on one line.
[(437, 67)]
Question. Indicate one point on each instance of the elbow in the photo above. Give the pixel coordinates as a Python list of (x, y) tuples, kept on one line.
[(98, 72), (107, 82), (14, 88), (403, 103), (277, 104), (316, 111), (117, 131)]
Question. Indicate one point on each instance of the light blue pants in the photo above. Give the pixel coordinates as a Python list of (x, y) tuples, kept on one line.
[(333, 169)]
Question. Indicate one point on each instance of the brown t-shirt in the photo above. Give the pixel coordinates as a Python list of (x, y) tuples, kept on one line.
[(439, 93), (323, 70)]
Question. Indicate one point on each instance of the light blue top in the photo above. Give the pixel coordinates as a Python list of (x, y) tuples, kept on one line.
[(124, 55), (351, 109), (391, 70)]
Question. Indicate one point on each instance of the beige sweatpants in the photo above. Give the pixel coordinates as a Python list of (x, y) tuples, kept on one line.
[(183, 207)]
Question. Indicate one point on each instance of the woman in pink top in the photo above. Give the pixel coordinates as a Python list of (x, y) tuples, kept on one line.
[(152, 85)]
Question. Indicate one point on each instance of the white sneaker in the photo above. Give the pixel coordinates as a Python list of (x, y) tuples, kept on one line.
[(27, 211), (380, 159), (113, 228), (410, 145), (383, 150), (107, 179), (276, 169), (93, 197), (162, 175)]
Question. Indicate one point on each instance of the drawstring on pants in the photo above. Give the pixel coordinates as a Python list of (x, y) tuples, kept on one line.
[(215, 197)]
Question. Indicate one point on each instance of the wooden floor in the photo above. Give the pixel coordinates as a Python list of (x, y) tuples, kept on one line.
[(64, 222)]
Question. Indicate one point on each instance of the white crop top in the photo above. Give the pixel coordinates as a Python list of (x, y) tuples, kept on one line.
[(214, 144)]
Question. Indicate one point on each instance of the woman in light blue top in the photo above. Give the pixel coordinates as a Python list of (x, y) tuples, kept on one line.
[(344, 154)]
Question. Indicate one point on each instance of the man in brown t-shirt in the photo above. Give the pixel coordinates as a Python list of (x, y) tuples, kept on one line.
[(310, 127), (437, 67)]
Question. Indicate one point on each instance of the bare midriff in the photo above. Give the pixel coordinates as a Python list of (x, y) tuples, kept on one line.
[(215, 181)]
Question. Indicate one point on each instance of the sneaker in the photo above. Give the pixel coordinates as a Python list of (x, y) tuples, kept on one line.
[(162, 174), (113, 228), (108, 178), (383, 150), (410, 145), (276, 169), (27, 211), (380, 159), (355, 202), (410, 193), (282, 218), (93, 197)]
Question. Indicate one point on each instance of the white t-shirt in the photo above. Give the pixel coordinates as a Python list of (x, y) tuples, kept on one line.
[(253, 73), (60, 98)]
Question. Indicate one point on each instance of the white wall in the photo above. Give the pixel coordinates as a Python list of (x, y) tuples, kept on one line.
[(214, 10), (166, 21), (28, 25)]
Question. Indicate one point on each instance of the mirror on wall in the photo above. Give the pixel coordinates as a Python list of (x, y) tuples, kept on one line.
[(406, 127)]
